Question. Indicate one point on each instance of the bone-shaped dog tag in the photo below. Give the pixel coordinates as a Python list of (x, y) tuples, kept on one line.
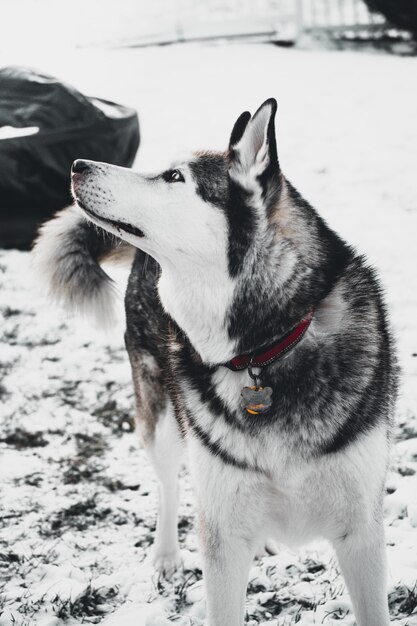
[(256, 399)]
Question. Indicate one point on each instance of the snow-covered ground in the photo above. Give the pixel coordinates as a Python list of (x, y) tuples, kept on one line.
[(77, 508)]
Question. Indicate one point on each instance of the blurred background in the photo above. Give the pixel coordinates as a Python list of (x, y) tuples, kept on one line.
[(145, 56), (136, 23)]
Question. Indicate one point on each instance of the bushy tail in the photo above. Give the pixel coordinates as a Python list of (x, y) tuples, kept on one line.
[(67, 254)]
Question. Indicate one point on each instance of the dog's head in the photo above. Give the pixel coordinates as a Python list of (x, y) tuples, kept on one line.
[(212, 208)]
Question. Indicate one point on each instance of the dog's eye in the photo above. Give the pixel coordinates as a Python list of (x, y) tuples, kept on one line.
[(173, 176)]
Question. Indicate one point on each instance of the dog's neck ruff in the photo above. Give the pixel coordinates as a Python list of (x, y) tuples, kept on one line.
[(273, 352)]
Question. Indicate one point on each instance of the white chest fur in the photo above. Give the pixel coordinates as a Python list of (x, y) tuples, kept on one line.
[(199, 303)]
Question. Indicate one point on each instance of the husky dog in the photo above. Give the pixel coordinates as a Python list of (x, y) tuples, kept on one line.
[(238, 286)]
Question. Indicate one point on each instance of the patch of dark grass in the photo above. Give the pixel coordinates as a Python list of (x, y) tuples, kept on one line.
[(80, 471), (114, 484), (4, 393), (406, 429), (181, 589), (185, 524), (21, 439), (78, 516), (176, 588), (8, 311), (90, 607), (84, 466), (117, 419), (404, 470), (28, 607), (337, 614), (272, 605), (10, 335), (313, 567), (256, 586), (147, 537), (403, 600), (5, 518), (33, 480), (10, 563), (90, 445), (116, 355), (68, 392), (16, 621), (9, 557)]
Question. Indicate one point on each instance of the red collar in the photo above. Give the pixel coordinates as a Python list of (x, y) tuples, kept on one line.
[(273, 352)]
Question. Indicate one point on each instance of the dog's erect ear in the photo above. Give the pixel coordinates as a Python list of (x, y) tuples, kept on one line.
[(253, 150), (239, 128)]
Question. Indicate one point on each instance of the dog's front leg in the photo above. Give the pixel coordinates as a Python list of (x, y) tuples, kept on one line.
[(226, 563), (229, 524), (363, 563)]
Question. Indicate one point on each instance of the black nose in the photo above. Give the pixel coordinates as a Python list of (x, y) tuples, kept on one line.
[(79, 166)]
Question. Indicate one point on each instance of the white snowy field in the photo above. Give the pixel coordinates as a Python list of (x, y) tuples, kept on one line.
[(77, 507)]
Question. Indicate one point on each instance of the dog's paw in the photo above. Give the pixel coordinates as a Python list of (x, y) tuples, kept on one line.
[(166, 562)]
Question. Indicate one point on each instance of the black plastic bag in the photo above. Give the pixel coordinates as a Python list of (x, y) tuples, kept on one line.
[(61, 125), (400, 13)]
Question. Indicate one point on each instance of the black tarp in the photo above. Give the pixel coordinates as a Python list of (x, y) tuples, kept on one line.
[(400, 13), (35, 169)]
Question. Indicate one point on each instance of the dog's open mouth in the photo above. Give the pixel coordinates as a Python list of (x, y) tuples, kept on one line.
[(127, 228)]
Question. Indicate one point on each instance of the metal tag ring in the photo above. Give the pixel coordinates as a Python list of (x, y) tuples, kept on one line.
[(255, 377)]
